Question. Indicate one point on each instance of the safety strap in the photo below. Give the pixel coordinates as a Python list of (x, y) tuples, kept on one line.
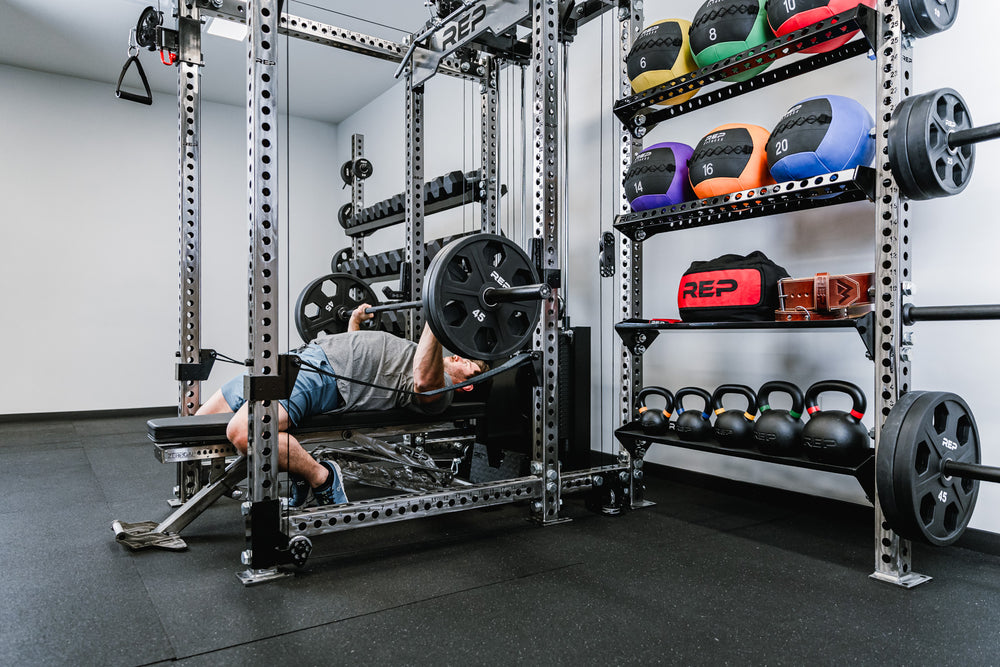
[(132, 97)]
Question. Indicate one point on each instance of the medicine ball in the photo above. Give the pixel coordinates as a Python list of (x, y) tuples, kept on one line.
[(820, 135), (730, 158), (787, 16), (723, 28), (658, 177), (661, 53)]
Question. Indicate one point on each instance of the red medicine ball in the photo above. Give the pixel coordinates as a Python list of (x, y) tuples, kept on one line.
[(787, 16)]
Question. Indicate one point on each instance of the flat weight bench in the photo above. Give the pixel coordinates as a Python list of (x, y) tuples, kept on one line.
[(204, 437), (201, 437)]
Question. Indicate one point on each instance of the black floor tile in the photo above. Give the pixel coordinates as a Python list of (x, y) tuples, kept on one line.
[(49, 477)]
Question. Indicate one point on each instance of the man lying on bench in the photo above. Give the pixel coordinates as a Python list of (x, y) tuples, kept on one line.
[(390, 370)]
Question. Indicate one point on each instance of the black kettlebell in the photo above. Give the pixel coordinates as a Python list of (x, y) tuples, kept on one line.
[(654, 421), (691, 424), (835, 436), (779, 432), (734, 428)]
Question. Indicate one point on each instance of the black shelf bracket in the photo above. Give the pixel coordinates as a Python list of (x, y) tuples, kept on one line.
[(839, 187)]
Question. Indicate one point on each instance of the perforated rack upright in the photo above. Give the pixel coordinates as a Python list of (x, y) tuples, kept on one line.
[(269, 526)]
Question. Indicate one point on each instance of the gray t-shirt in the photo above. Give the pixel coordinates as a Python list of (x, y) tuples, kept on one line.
[(379, 358)]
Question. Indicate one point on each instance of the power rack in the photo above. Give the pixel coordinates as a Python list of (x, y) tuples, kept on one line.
[(474, 42)]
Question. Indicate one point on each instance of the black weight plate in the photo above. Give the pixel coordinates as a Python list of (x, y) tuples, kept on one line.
[(320, 305), (363, 168), (345, 214), (145, 30), (885, 458), (340, 257), (935, 508), (899, 159), (455, 311), (347, 172), (923, 18), (939, 171)]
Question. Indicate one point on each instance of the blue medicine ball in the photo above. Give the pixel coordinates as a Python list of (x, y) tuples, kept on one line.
[(820, 135)]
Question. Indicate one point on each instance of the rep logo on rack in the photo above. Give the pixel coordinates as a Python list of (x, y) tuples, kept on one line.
[(463, 27)]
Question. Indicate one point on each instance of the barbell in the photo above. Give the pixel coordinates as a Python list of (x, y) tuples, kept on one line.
[(928, 467), (931, 144), (481, 295)]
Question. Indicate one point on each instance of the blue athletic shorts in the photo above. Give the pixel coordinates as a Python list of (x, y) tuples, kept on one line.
[(312, 394)]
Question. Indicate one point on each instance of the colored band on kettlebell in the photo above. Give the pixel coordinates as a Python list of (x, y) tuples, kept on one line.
[(705, 415), (720, 411), (666, 414), (643, 409), (793, 414), (856, 414), (812, 408), (748, 416), (764, 408)]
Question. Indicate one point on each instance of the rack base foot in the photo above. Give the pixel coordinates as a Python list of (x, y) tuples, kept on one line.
[(908, 580)]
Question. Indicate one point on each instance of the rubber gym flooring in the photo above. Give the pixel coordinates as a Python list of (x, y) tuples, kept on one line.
[(715, 573)]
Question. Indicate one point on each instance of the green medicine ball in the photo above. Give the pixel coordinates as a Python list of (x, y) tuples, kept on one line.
[(723, 28)]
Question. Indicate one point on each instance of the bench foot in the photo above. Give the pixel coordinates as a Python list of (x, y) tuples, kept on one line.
[(143, 535)]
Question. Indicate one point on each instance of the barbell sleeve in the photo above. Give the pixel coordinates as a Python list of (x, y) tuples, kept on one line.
[(973, 135), (494, 295), (913, 313), (971, 471)]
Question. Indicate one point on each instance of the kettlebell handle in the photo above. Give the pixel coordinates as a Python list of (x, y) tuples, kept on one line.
[(852, 390), (640, 399), (780, 386), (694, 391), (741, 389)]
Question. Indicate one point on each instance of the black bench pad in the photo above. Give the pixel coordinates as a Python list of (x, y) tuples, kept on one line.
[(212, 428)]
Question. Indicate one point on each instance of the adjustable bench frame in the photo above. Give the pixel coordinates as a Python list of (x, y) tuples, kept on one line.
[(275, 537)]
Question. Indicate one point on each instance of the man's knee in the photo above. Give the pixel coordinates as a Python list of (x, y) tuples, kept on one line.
[(236, 432)]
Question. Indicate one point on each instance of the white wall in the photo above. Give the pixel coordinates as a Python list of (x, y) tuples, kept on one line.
[(953, 239), (90, 272)]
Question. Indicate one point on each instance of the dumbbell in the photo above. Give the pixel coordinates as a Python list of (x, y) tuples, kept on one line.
[(654, 421), (734, 428), (835, 436), (779, 432), (691, 424)]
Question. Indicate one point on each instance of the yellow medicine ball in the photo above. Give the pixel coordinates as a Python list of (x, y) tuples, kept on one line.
[(661, 52)]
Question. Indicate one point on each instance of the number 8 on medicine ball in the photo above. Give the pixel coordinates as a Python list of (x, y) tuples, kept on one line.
[(820, 135), (658, 176), (730, 158), (723, 28), (787, 16), (660, 54)]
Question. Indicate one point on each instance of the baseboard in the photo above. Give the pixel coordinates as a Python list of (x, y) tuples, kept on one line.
[(89, 414)]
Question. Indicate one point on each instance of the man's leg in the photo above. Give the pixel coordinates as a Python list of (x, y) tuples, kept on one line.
[(291, 456), (215, 405)]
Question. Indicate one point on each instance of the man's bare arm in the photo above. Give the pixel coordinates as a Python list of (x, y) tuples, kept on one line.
[(358, 315), (428, 366)]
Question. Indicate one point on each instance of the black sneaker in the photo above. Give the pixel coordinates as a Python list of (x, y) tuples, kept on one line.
[(298, 493), (333, 491)]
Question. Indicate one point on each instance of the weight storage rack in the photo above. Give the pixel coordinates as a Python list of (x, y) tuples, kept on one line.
[(270, 528), (882, 35)]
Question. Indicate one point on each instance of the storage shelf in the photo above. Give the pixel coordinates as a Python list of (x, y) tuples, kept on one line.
[(638, 113), (632, 437), (638, 335), (826, 190)]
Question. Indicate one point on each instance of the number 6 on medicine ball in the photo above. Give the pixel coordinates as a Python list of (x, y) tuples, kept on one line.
[(658, 176), (820, 135), (660, 54)]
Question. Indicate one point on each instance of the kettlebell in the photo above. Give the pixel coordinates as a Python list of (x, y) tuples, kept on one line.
[(691, 424), (779, 432), (835, 436), (651, 420), (734, 428)]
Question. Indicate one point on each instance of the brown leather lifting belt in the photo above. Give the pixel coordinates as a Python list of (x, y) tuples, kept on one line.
[(824, 297)]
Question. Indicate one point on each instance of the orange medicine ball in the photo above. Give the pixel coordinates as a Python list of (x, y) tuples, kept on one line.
[(730, 158)]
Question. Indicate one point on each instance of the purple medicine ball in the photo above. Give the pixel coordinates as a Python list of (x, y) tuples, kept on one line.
[(658, 176)]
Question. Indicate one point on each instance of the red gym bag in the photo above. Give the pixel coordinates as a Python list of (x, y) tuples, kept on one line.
[(730, 288)]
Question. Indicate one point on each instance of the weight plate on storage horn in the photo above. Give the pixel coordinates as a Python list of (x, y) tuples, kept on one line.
[(923, 163), (923, 18), (320, 306), (919, 501), (454, 304)]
